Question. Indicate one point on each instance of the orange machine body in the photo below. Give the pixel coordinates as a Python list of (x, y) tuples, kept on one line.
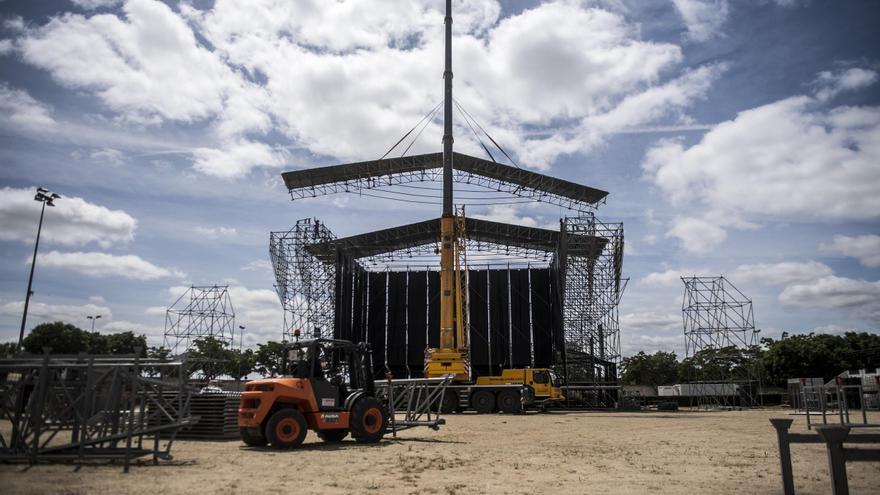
[(262, 397)]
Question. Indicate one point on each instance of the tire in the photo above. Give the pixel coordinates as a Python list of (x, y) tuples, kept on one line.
[(252, 436), (332, 436), (286, 429), (368, 420), (483, 401), (509, 402), (450, 402)]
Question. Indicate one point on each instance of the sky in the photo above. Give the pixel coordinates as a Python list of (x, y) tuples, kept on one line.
[(736, 138)]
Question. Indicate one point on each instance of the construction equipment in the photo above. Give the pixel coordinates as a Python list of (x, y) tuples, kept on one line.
[(514, 389), (329, 389)]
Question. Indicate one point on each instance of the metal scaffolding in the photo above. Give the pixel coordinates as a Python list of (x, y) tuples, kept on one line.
[(90, 408), (305, 284), (719, 329), (593, 288), (201, 311)]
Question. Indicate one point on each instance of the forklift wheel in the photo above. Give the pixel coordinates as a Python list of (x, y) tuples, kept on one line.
[(252, 437), (332, 435), (368, 420), (286, 428)]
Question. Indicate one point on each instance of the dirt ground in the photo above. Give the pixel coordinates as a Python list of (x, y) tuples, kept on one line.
[(576, 452)]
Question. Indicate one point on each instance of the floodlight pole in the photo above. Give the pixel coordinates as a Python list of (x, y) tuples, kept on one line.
[(27, 297)]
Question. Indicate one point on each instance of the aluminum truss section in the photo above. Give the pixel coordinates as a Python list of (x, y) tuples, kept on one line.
[(90, 408), (201, 311), (719, 324), (413, 402), (593, 287), (376, 174), (304, 283)]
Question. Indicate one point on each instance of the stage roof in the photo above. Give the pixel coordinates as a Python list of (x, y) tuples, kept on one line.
[(428, 231), (339, 178)]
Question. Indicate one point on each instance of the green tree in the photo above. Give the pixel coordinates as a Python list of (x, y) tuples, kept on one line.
[(8, 349), (242, 363), (660, 368), (126, 343), (209, 356), (270, 358), (801, 356), (62, 338)]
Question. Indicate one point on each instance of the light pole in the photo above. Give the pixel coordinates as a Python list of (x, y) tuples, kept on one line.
[(47, 198), (240, 355), (93, 318)]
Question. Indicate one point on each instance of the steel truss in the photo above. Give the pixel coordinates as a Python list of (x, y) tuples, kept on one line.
[(593, 288), (719, 323), (90, 408), (201, 311)]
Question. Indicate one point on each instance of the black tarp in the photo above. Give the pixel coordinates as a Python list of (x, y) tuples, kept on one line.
[(413, 314)]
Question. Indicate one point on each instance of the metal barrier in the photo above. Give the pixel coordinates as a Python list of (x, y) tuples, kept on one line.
[(418, 400), (833, 437), (76, 408)]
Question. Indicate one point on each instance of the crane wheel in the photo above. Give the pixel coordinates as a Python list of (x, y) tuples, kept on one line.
[(331, 436), (450, 402), (286, 429), (368, 420), (508, 402), (483, 401), (252, 436)]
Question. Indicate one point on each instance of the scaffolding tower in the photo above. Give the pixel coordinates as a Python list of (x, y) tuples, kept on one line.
[(719, 333), (201, 311), (305, 285)]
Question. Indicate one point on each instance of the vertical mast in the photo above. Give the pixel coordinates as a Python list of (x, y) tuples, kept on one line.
[(447, 116)]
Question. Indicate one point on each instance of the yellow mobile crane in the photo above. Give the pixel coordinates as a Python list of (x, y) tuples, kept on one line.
[(514, 389)]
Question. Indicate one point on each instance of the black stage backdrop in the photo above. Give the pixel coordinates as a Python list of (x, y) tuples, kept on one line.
[(398, 314)]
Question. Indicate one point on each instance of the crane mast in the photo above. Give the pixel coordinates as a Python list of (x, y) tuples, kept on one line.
[(452, 354)]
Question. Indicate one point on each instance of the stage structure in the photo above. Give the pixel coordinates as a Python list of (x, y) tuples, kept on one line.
[(201, 311), (719, 330), (535, 296)]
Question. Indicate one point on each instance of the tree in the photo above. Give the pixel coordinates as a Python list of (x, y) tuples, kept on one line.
[(62, 338), (209, 356), (8, 349), (270, 358), (803, 356), (242, 363), (126, 343), (660, 368)]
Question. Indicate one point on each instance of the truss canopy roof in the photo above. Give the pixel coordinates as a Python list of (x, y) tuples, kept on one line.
[(469, 165), (428, 231)]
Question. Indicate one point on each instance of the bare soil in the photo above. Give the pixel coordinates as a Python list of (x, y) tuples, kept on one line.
[(577, 452)]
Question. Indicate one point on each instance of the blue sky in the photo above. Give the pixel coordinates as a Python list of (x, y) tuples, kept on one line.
[(736, 138)]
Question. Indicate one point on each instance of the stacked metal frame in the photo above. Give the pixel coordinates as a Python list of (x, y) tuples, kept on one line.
[(90, 408), (592, 292), (201, 311), (719, 325)]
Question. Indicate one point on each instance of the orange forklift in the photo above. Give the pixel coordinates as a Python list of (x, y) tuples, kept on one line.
[(328, 389)]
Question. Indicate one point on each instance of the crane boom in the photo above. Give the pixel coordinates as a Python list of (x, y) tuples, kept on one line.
[(452, 355)]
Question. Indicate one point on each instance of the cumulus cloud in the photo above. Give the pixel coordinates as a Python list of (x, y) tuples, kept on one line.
[(703, 18), (641, 321), (216, 232), (20, 109), (95, 4), (786, 158), (668, 278), (860, 298), (506, 214), (106, 265), (238, 158), (865, 248), (782, 273), (696, 235), (73, 221), (829, 84), (40, 312)]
